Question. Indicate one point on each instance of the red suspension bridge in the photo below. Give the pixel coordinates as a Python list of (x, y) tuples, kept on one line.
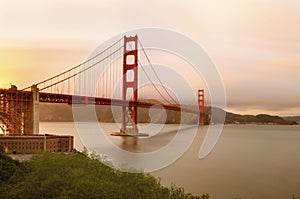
[(109, 77)]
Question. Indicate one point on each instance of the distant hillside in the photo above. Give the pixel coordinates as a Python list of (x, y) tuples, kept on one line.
[(64, 113), (293, 118), (257, 119)]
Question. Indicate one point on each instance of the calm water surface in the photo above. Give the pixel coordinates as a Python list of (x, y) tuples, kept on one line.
[(249, 161)]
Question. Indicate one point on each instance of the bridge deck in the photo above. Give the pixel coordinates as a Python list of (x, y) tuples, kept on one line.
[(73, 99)]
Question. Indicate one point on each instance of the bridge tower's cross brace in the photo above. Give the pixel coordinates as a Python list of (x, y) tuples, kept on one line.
[(201, 106), (130, 89)]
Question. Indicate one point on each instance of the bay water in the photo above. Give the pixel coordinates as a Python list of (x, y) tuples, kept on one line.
[(249, 161)]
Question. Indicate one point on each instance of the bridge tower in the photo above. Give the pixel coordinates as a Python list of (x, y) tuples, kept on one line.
[(130, 80), (201, 106)]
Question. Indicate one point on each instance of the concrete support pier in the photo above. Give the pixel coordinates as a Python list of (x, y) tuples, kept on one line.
[(19, 111), (35, 109)]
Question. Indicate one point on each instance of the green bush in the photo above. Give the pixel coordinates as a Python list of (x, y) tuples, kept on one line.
[(8, 167)]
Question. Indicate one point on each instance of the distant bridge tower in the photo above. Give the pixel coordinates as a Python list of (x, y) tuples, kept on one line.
[(201, 106), (130, 80)]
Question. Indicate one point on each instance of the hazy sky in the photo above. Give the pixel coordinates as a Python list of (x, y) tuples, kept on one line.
[(254, 43)]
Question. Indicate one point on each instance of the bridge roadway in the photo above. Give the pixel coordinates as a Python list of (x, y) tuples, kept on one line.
[(75, 99), (19, 110)]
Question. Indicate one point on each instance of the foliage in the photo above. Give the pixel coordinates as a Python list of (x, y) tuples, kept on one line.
[(59, 175), (8, 166), (2, 150)]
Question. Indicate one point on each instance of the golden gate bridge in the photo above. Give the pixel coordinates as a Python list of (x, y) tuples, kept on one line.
[(109, 77)]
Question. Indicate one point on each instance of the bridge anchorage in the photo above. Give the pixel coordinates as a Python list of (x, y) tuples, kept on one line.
[(19, 109)]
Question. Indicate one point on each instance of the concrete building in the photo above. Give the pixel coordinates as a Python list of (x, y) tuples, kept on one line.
[(31, 144)]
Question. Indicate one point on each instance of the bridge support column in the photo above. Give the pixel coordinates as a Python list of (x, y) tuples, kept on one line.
[(201, 106), (35, 109), (19, 111), (130, 78)]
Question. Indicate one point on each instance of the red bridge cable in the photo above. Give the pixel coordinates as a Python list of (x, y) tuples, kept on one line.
[(148, 77), (174, 101), (98, 54), (82, 70), (153, 83)]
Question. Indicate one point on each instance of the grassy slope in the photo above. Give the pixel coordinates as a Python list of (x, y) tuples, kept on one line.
[(58, 175)]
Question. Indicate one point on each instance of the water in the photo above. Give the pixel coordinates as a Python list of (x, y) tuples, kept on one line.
[(249, 161)]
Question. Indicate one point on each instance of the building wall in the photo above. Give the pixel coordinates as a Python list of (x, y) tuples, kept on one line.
[(59, 144), (36, 143)]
